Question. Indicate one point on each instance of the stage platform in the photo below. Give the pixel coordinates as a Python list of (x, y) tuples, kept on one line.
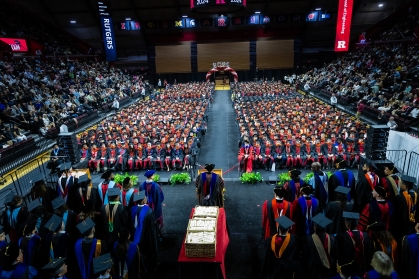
[(219, 85)]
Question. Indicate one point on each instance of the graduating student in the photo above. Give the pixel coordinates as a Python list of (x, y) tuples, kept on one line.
[(405, 208), (409, 265), (334, 210), (320, 184), (128, 193), (382, 267), (37, 215), (382, 240), (114, 216), (42, 192), (55, 269), (102, 266), (378, 210), (346, 268), (304, 208), (16, 213), (342, 177), (30, 243), (293, 186), (87, 199), (105, 185), (319, 250), (143, 231), (281, 251), (68, 215), (12, 265), (391, 182), (155, 198), (364, 186), (126, 257), (209, 188), (246, 156), (87, 248), (355, 243), (273, 209)]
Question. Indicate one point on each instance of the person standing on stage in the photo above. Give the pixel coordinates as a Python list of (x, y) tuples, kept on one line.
[(378, 210), (355, 243), (281, 252), (246, 156), (405, 208), (143, 231), (209, 188), (274, 209), (320, 184), (342, 177), (155, 198), (319, 250)]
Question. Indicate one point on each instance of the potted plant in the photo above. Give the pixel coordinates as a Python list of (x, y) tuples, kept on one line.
[(283, 177), (251, 177), (311, 174), (156, 178), (180, 178)]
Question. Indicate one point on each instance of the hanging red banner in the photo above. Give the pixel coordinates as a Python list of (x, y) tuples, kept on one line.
[(343, 25)]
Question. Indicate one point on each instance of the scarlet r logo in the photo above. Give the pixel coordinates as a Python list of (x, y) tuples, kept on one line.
[(220, 2), (221, 22), (341, 44)]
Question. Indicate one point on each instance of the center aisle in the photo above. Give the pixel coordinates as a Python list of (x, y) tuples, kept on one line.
[(220, 144)]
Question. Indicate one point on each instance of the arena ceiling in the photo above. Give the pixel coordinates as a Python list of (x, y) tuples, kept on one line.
[(131, 44)]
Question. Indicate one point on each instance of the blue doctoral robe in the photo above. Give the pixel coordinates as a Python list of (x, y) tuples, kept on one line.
[(155, 197)]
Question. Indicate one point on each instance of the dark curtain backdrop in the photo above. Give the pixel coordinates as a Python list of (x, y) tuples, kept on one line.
[(278, 74)]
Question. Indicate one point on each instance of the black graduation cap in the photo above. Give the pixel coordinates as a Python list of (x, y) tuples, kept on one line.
[(37, 178), (83, 178), (54, 223), (85, 225), (54, 266), (306, 189), (65, 166), (57, 203), (209, 167), (280, 191), (343, 190), (409, 179), (341, 164), (33, 205), (138, 196), (112, 192), (321, 220), (102, 263), (11, 252), (284, 222), (106, 174), (29, 227), (294, 172), (377, 227), (393, 169), (350, 215)]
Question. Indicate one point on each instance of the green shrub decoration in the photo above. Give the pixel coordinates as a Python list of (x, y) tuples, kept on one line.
[(308, 177), (156, 178), (251, 177), (119, 178), (180, 178), (329, 174), (283, 177)]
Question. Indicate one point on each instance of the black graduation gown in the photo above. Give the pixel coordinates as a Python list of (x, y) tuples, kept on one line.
[(70, 226), (72, 194), (346, 246), (63, 246), (42, 232), (311, 260), (86, 246), (334, 183), (300, 219), (363, 194), (333, 211), (21, 217), (87, 205), (134, 269), (408, 267), (148, 243), (284, 267), (401, 223), (47, 199), (120, 221)]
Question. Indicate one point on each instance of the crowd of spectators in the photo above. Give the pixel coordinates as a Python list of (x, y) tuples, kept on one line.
[(292, 130), (38, 95), (382, 77), (161, 133)]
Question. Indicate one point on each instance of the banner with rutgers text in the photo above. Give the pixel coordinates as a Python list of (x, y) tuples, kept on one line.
[(343, 25)]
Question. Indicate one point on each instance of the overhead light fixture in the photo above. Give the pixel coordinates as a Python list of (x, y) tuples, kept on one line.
[(380, 5), (318, 9), (128, 18), (257, 12), (72, 21), (184, 16)]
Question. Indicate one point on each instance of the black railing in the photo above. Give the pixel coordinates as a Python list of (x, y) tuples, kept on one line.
[(398, 158), (412, 166)]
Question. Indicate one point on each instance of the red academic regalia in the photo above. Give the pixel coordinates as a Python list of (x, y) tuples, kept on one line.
[(247, 163), (272, 210), (376, 211)]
